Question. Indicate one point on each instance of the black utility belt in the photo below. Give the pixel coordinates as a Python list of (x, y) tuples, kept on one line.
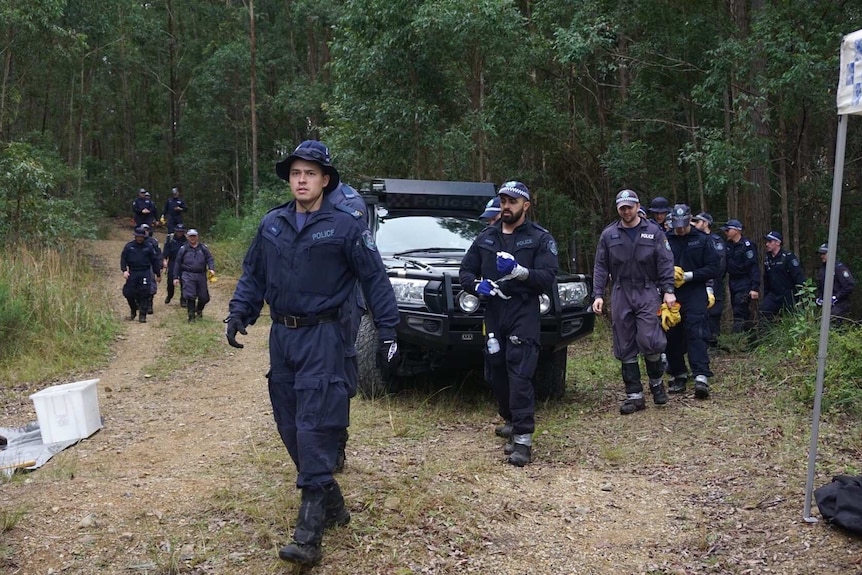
[(294, 321), (194, 271)]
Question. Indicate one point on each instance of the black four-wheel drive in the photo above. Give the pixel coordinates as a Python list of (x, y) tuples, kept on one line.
[(423, 229)]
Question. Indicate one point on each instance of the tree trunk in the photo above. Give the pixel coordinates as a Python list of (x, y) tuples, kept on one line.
[(173, 90), (253, 42)]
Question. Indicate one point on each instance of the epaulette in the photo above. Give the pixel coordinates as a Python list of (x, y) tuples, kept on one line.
[(348, 210), (278, 207), (541, 228)]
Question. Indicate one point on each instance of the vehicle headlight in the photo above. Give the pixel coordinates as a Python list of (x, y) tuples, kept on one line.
[(468, 302), (409, 290), (573, 293)]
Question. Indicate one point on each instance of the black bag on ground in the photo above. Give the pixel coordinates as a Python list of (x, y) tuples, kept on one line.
[(840, 502)]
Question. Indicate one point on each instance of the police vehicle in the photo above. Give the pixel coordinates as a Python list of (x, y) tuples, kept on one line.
[(422, 230)]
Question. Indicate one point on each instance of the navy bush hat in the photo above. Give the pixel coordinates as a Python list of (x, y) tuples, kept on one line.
[(311, 151), (492, 208), (659, 205), (627, 198), (680, 216), (703, 217), (514, 189), (140, 232), (179, 228), (823, 249), (774, 236), (732, 225)]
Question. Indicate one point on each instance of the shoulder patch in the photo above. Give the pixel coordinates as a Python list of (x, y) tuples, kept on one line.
[(719, 246), (348, 210), (747, 243), (846, 274), (794, 262), (667, 245), (368, 241), (552, 247), (749, 254)]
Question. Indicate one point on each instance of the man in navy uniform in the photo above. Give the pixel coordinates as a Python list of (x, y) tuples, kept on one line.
[(175, 207), (169, 255), (658, 210), (782, 277), (144, 209), (842, 286), (715, 290), (511, 263), (635, 253), (304, 262), (139, 263), (696, 263), (743, 274)]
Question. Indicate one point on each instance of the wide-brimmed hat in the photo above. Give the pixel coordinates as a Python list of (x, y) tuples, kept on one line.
[(310, 151)]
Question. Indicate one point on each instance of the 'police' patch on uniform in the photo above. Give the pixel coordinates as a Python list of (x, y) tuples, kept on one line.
[(552, 247), (368, 240)]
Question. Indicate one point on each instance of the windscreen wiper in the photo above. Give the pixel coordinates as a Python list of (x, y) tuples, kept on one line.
[(428, 250)]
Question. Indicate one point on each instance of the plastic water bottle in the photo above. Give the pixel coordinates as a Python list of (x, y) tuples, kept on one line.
[(493, 344)]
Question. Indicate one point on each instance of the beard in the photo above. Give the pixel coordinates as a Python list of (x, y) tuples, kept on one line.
[(512, 216)]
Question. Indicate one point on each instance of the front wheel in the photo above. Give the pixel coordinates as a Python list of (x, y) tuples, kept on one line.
[(371, 382), (549, 381)]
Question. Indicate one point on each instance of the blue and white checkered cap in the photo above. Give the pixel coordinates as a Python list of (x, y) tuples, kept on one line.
[(514, 189), (492, 208)]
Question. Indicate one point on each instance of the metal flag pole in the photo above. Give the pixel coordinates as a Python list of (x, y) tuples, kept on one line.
[(832, 242)]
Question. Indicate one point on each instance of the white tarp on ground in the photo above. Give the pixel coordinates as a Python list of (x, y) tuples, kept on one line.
[(24, 446)]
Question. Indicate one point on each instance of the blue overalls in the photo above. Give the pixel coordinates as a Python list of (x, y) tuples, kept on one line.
[(306, 275), (516, 322), (743, 277)]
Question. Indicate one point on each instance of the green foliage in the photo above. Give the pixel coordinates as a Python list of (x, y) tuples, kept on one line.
[(789, 358), (52, 319)]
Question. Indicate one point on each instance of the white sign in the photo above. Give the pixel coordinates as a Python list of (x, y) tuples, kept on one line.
[(849, 96)]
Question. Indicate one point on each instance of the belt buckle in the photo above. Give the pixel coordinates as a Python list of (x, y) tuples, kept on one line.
[(290, 321)]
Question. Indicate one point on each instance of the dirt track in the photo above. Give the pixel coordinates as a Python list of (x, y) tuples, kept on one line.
[(697, 487)]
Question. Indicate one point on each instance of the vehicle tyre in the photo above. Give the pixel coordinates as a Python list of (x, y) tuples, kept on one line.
[(371, 384), (549, 380)]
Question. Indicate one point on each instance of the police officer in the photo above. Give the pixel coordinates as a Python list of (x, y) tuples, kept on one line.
[(304, 262), (169, 255), (139, 262), (511, 263), (144, 209), (696, 262), (842, 287), (154, 280), (715, 289), (743, 273), (194, 265), (352, 312), (175, 207), (635, 253), (782, 277), (658, 209), (492, 211)]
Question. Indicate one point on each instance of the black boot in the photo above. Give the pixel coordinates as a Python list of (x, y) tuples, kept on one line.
[(142, 317), (631, 372), (522, 454), (190, 306), (504, 430), (655, 372), (678, 384), (200, 309), (150, 305), (308, 534), (341, 458), (133, 313), (701, 387), (336, 513)]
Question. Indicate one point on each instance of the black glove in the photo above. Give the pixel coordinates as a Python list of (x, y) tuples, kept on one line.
[(234, 325), (387, 356)]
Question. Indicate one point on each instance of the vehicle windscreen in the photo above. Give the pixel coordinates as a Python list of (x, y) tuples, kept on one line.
[(415, 234)]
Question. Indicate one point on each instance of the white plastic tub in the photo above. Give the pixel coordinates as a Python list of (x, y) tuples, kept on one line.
[(68, 412)]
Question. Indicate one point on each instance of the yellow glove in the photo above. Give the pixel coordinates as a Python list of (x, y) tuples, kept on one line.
[(710, 297), (669, 315), (677, 276), (162, 220), (211, 276)]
